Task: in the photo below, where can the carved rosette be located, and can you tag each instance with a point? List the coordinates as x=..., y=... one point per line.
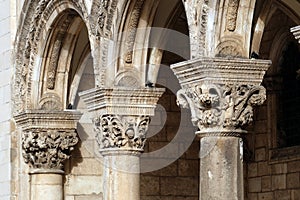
x=221, y=93
x=123, y=116
x=48, y=138
x=115, y=132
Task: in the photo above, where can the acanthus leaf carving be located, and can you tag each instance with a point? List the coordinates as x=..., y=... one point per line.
x=48, y=149
x=115, y=132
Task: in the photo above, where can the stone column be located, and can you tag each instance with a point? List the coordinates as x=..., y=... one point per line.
x=48, y=137
x=221, y=93
x=296, y=32
x=121, y=121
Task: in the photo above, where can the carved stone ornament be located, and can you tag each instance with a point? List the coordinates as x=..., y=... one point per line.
x=123, y=116
x=122, y=101
x=116, y=132
x=217, y=106
x=296, y=32
x=232, y=13
x=221, y=92
x=48, y=137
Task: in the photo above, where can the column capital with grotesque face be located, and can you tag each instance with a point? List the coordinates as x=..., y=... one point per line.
x=221, y=92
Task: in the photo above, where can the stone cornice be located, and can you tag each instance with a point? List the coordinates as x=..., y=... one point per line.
x=296, y=32
x=42, y=119
x=122, y=101
x=220, y=71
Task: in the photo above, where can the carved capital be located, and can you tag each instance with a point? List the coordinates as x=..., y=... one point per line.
x=296, y=32
x=221, y=93
x=48, y=149
x=123, y=116
x=48, y=137
x=217, y=107
x=117, y=132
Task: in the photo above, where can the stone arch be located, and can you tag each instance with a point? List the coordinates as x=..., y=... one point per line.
x=35, y=29
x=126, y=41
x=263, y=14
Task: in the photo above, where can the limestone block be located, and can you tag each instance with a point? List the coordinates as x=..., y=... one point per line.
x=293, y=180
x=89, y=197
x=266, y=183
x=254, y=184
x=5, y=110
x=5, y=25
x=188, y=167
x=263, y=169
x=252, y=169
x=150, y=185
x=150, y=198
x=260, y=154
x=293, y=166
x=5, y=80
x=69, y=198
x=4, y=7
x=5, y=41
x=7, y=90
x=282, y=195
x=4, y=142
x=278, y=182
x=185, y=186
x=83, y=185
x=86, y=166
x=265, y=196
x=295, y=194
x=261, y=140
x=4, y=159
x=170, y=170
x=280, y=168
x=252, y=196
x=193, y=150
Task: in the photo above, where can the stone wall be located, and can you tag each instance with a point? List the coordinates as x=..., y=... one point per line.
x=269, y=179
x=6, y=39
x=180, y=179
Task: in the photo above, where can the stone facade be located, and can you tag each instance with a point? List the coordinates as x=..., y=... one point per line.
x=171, y=100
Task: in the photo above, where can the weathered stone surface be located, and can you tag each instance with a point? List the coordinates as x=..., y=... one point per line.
x=279, y=182
x=293, y=180
x=265, y=196
x=48, y=137
x=83, y=185
x=266, y=183
x=254, y=184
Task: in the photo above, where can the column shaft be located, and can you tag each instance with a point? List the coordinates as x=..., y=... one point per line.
x=46, y=187
x=221, y=93
x=121, y=177
x=221, y=168
x=123, y=117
